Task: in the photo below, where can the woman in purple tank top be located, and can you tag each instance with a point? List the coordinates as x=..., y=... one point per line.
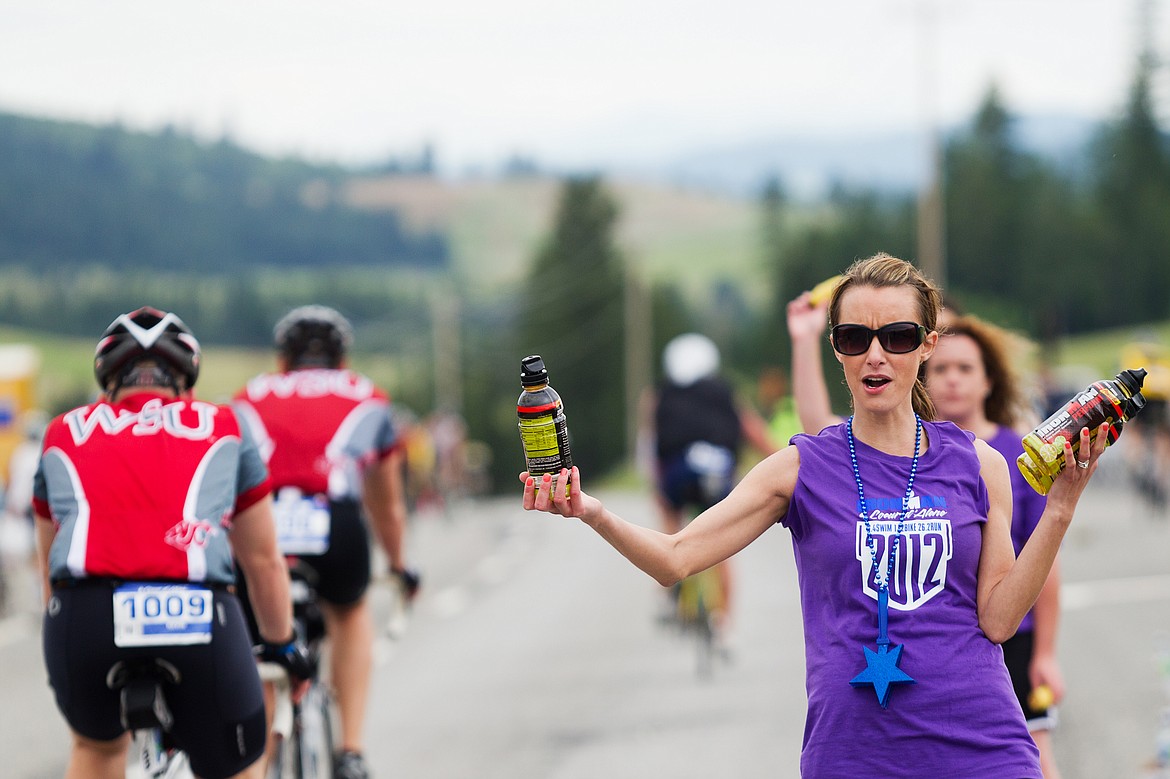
x=971, y=383
x=901, y=532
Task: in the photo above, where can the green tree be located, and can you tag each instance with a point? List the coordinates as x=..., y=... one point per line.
x=1132, y=196
x=773, y=212
x=852, y=225
x=573, y=316
x=1012, y=222
x=985, y=199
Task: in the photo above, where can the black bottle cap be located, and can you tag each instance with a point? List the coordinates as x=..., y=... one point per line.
x=1133, y=379
x=532, y=371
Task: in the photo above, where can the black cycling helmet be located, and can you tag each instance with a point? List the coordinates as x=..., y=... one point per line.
x=147, y=333
x=313, y=337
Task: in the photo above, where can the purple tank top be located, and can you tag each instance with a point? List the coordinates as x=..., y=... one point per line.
x=961, y=719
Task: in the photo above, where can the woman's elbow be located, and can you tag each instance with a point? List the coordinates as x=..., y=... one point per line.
x=668, y=576
x=998, y=631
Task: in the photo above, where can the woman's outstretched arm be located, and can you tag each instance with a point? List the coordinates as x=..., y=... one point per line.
x=757, y=502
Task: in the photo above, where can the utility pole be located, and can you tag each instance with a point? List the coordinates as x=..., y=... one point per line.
x=445, y=324
x=638, y=339
x=931, y=213
x=1151, y=60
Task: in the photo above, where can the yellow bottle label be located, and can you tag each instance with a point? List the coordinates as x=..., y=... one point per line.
x=539, y=437
x=546, y=446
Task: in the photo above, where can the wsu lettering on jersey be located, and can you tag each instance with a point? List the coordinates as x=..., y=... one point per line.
x=145, y=488
x=153, y=418
x=318, y=429
x=310, y=384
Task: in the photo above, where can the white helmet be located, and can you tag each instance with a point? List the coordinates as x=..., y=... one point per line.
x=690, y=357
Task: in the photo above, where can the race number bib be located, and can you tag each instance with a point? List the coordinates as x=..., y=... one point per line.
x=147, y=614
x=302, y=523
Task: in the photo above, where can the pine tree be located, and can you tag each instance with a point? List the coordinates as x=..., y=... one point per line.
x=573, y=317
x=1133, y=198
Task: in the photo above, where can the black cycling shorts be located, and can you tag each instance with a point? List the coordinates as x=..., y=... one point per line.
x=218, y=705
x=342, y=571
x=1017, y=656
x=698, y=478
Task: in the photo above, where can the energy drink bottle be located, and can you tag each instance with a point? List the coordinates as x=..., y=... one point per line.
x=1109, y=401
x=544, y=432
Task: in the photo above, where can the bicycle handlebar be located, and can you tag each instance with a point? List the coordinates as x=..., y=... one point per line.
x=282, y=716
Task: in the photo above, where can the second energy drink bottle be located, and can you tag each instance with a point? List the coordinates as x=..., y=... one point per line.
x=1109, y=401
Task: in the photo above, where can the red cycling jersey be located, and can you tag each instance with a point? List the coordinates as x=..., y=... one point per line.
x=145, y=489
x=318, y=428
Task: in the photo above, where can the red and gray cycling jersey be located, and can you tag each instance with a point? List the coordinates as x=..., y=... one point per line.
x=145, y=489
x=318, y=429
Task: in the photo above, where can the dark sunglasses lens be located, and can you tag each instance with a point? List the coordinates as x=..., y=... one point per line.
x=851, y=339
x=899, y=338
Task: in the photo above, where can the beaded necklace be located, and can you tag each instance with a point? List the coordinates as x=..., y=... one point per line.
x=881, y=667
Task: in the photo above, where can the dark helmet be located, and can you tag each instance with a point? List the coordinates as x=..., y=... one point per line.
x=147, y=333
x=313, y=336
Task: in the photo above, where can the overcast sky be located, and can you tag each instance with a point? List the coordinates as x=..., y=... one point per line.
x=564, y=82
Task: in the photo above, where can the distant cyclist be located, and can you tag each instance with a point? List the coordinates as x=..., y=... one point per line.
x=1147, y=447
x=138, y=498
x=698, y=428
x=335, y=456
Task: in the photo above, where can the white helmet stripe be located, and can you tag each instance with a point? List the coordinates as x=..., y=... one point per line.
x=144, y=336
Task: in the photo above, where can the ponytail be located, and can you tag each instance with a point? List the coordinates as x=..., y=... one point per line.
x=920, y=398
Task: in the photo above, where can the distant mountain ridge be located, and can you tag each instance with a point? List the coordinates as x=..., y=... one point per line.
x=810, y=164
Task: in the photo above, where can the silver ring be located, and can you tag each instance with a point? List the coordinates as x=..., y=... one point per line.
x=1082, y=463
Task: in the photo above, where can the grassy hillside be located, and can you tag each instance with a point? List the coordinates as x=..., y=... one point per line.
x=66, y=376
x=496, y=227
x=67, y=370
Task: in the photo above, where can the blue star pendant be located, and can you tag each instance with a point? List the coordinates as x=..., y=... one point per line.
x=881, y=667
x=882, y=671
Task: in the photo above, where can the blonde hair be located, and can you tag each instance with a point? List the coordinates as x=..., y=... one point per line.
x=884, y=270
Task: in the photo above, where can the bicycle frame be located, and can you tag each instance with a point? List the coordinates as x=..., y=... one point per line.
x=145, y=713
x=700, y=599
x=150, y=759
x=304, y=729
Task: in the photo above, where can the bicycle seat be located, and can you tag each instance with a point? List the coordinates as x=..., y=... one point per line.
x=143, y=702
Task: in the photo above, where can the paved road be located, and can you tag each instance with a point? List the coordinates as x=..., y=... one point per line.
x=534, y=654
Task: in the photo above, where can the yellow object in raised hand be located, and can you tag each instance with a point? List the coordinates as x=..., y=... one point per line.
x=1041, y=698
x=821, y=292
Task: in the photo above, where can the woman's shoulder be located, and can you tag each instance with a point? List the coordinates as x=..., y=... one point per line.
x=947, y=433
x=948, y=428
x=827, y=435
x=948, y=440
x=827, y=446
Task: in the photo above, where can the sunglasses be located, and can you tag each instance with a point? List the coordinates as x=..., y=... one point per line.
x=895, y=338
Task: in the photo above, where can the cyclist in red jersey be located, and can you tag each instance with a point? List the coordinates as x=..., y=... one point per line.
x=335, y=457
x=141, y=499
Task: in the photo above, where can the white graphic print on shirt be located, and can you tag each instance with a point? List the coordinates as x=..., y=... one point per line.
x=925, y=546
